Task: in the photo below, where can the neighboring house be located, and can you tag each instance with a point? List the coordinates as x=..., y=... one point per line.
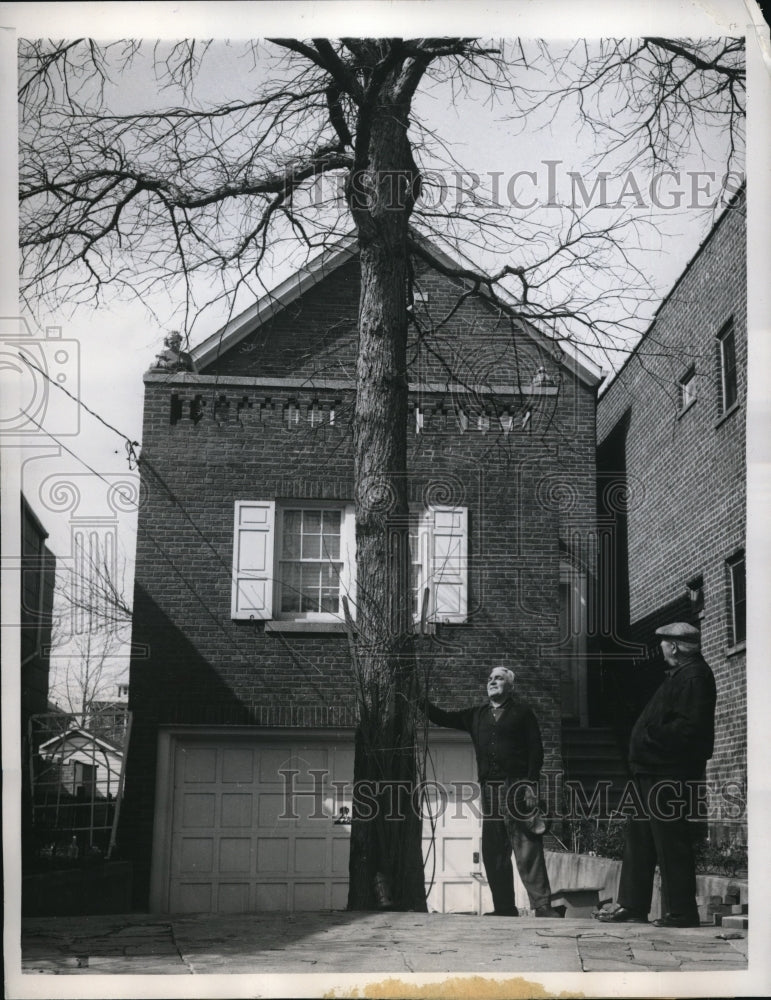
x=672, y=492
x=246, y=549
x=38, y=571
x=81, y=765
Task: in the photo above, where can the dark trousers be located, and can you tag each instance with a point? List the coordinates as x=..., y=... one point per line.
x=500, y=836
x=664, y=836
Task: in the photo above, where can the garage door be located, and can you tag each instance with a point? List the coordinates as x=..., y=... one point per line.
x=253, y=826
x=229, y=838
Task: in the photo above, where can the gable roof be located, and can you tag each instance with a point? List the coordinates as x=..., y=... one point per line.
x=334, y=257
x=50, y=745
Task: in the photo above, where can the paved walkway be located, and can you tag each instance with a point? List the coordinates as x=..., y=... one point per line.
x=339, y=942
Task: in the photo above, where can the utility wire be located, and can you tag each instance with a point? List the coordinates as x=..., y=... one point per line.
x=130, y=445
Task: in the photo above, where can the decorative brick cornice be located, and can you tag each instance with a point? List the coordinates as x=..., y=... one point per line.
x=191, y=380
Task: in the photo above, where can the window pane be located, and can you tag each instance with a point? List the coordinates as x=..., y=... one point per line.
x=290, y=587
x=739, y=600
x=311, y=546
x=312, y=522
x=727, y=361
x=290, y=548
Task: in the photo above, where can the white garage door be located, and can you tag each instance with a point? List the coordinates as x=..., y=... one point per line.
x=241, y=842
x=228, y=839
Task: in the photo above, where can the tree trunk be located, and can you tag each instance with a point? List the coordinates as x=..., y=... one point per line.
x=386, y=866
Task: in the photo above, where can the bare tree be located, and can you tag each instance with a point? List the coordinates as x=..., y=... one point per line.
x=118, y=201
x=91, y=635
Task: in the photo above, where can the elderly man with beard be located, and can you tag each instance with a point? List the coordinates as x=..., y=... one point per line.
x=670, y=745
x=509, y=753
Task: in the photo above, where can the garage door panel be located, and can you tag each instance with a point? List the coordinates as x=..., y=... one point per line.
x=272, y=854
x=233, y=897
x=272, y=763
x=235, y=854
x=339, y=899
x=198, y=809
x=196, y=854
x=236, y=809
x=238, y=765
x=310, y=896
x=198, y=764
x=192, y=898
x=270, y=808
x=271, y=896
x=312, y=760
x=310, y=855
x=341, y=852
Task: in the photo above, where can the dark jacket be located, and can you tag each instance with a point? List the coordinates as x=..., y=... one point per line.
x=675, y=732
x=509, y=748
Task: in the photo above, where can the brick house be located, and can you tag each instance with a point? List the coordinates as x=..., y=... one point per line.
x=672, y=497
x=245, y=549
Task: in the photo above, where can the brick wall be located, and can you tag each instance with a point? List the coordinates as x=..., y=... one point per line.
x=208, y=442
x=685, y=470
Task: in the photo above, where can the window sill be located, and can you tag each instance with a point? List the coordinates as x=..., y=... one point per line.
x=276, y=625
x=728, y=413
x=682, y=412
x=740, y=647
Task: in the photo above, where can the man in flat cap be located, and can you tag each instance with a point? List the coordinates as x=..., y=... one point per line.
x=668, y=751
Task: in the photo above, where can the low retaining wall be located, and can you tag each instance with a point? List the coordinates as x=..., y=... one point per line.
x=97, y=890
x=576, y=871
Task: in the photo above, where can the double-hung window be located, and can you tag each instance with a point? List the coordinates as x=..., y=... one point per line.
x=738, y=599
x=726, y=361
x=296, y=561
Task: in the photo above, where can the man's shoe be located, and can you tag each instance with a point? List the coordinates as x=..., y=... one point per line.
x=513, y=912
x=676, y=920
x=621, y=915
x=547, y=911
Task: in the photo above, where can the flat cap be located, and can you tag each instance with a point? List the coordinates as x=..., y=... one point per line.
x=680, y=630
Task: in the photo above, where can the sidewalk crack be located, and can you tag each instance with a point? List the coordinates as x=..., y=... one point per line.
x=182, y=958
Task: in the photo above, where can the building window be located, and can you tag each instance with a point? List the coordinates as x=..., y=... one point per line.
x=297, y=562
x=310, y=568
x=738, y=599
x=726, y=358
x=686, y=388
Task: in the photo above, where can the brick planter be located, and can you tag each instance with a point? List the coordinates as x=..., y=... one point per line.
x=576, y=871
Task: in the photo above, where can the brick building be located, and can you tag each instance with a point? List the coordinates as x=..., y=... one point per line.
x=38, y=573
x=672, y=497
x=245, y=549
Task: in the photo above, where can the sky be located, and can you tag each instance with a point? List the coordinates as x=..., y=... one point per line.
x=109, y=349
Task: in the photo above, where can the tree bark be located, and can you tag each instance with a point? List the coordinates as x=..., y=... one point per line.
x=386, y=866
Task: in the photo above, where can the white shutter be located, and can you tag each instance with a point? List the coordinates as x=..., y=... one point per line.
x=253, y=540
x=449, y=569
x=348, y=555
